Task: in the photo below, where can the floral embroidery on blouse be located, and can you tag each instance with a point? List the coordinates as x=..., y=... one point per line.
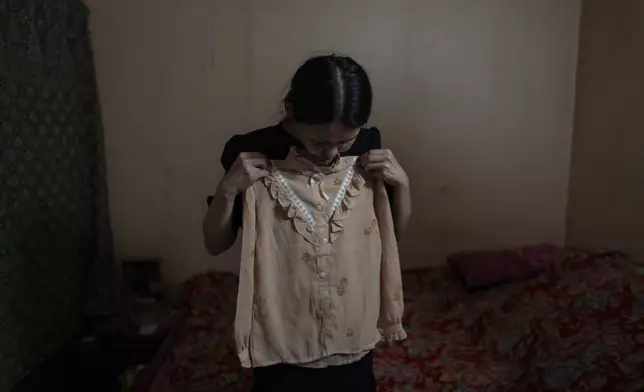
x=260, y=308
x=342, y=287
x=398, y=294
x=371, y=227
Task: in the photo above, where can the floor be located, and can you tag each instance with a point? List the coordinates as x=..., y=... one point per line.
x=77, y=367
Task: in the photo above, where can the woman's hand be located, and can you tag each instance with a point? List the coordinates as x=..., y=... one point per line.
x=248, y=168
x=383, y=164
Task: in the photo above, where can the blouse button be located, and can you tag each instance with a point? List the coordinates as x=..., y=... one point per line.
x=325, y=240
x=322, y=274
x=319, y=208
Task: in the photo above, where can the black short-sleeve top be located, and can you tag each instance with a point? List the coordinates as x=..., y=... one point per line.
x=275, y=143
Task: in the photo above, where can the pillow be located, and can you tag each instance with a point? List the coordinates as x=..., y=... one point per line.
x=479, y=270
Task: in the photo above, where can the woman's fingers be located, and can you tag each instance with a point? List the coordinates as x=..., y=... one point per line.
x=247, y=169
x=376, y=156
x=376, y=167
x=257, y=175
x=370, y=158
x=257, y=162
x=253, y=157
x=383, y=165
x=252, y=160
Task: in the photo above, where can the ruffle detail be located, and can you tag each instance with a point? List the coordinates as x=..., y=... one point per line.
x=278, y=194
x=300, y=224
x=298, y=215
x=348, y=202
x=393, y=333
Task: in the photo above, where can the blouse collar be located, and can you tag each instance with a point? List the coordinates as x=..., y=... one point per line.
x=297, y=161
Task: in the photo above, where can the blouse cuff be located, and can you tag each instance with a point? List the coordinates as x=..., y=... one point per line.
x=394, y=332
x=244, y=358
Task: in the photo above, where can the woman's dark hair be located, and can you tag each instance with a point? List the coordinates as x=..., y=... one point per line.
x=330, y=88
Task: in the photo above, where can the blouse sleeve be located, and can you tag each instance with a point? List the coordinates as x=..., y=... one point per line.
x=391, y=290
x=375, y=143
x=228, y=157
x=244, y=313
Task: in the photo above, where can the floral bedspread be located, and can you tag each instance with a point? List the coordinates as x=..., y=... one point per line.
x=579, y=326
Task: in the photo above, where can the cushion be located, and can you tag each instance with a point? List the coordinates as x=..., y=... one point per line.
x=479, y=270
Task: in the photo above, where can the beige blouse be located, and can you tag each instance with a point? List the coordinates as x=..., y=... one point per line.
x=320, y=276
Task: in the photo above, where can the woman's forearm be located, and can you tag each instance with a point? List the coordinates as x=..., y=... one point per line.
x=401, y=208
x=218, y=231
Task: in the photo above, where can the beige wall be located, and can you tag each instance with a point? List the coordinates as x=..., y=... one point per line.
x=475, y=98
x=606, y=208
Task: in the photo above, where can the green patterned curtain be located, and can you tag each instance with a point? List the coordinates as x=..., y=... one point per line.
x=55, y=243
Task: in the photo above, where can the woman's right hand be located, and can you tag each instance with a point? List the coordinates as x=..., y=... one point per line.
x=248, y=168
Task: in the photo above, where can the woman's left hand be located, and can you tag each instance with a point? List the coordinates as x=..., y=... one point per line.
x=383, y=164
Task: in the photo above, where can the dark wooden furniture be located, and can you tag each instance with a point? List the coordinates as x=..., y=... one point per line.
x=98, y=363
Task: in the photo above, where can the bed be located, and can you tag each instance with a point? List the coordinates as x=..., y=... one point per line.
x=578, y=326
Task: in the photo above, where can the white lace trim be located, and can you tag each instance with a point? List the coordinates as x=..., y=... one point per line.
x=295, y=199
x=343, y=187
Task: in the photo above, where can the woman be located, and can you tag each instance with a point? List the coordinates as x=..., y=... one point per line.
x=328, y=103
